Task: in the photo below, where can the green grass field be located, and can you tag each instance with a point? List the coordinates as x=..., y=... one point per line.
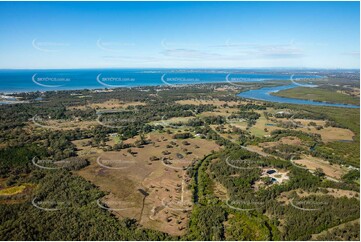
x=318, y=94
x=12, y=190
x=116, y=139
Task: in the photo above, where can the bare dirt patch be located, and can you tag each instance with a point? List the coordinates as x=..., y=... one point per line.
x=150, y=182
x=284, y=140
x=83, y=149
x=214, y=102
x=337, y=193
x=220, y=191
x=328, y=134
x=342, y=193
x=312, y=163
x=264, y=127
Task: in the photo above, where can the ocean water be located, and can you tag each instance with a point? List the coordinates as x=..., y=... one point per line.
x=49, y=80
x=15, y=81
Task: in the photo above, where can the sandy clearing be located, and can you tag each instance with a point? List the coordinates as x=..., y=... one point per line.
x=312, y=163
x=168, y=201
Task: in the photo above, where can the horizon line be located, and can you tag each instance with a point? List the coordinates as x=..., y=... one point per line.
x=190, y=68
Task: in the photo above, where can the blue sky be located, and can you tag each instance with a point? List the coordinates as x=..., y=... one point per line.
x=179, y=34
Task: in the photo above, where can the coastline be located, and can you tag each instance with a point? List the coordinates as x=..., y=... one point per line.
x=266, y=92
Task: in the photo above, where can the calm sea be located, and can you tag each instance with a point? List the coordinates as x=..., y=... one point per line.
x=49, y=80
